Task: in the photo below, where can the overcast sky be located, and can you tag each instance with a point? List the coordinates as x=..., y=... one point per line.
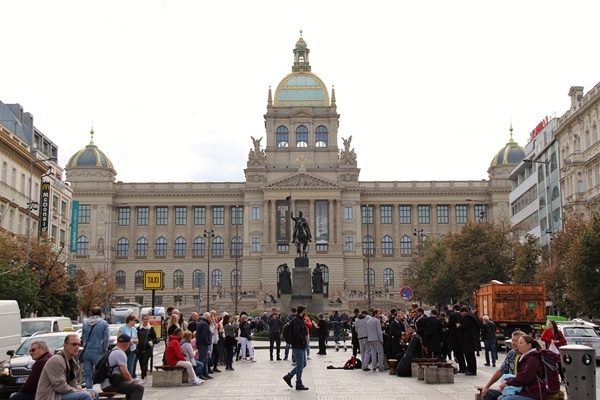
x=175, y=89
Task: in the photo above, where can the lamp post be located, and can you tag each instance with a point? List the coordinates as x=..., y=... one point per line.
x=237, y=271
x=482, y=214
x=178, y=302
x=32, y=205
x=208, y=235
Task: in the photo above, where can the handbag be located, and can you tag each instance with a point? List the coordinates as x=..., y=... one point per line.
x=553, y=348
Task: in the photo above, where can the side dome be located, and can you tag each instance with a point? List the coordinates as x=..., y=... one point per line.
x=512, y=153
x=89, y=157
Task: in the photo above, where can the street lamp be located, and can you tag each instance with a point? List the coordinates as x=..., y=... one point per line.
x=178, y=302
x=483, y=213
x=32, y=205
x=208, y=235
x=237, y=271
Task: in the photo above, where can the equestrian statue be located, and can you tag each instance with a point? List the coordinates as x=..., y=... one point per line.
x=301, y=235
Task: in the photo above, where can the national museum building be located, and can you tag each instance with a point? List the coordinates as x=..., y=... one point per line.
x=219, y=239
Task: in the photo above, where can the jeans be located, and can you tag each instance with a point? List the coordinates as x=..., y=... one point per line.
x=300, y=356
x=90, y=359
x=492, y=394
x=246, y=344
x=490, y=347
x=514, y=397
x=199, y=368
x=131, y=360
x=85, y=395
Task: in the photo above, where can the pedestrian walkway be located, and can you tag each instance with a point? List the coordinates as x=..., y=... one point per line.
x=263, y=380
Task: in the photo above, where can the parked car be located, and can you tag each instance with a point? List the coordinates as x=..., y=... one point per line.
x=580, y=332
x=16, y=370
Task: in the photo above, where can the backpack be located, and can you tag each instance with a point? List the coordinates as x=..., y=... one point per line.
x=102, y=370
x=288, y=333
x=551, y=379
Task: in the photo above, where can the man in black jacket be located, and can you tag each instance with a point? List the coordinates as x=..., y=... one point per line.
x=203, y=341
x=470, y=326
x=298, y=349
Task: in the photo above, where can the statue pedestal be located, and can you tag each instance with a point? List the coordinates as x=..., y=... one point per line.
x=302, y=289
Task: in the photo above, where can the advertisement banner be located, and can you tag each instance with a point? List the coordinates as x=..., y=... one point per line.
x=282, y=215
x=74, y=225
x=44, y=208
x=321, y=219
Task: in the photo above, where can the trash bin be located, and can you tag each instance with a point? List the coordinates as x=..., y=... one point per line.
x=579, y=366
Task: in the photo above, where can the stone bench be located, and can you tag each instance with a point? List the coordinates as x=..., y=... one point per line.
x=168, y=376
x=438, y=373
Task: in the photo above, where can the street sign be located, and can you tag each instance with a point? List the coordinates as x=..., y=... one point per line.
x=406, y=292
x=153, y=280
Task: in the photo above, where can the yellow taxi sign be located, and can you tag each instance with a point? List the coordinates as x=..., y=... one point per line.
x=153, y=280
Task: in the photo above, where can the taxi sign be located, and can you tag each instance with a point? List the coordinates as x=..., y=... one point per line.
x=153, y=280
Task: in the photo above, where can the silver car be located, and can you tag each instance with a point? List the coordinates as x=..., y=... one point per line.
x=579, y=332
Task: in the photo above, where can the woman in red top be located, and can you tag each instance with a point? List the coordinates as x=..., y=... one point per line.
x=554, y=335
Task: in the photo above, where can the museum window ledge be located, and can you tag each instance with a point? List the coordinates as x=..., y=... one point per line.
x=121, y=257
x=160, y=257
x=179, y=256
x=141, y=257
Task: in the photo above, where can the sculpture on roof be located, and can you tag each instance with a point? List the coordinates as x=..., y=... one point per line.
x=257, y=155
x=347, y=156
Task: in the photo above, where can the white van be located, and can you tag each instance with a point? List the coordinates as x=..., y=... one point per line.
x=10, y=326
x=30, y=326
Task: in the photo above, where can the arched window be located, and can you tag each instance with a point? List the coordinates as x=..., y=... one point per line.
x=216, y=278
x=282, y=137
x=141, y=247
x=122, y=247
x=236, y=278
x=387, y=246
x=406, y=245
x=180, y=245
x=161, y=247
x=178, y=279
x=83, y=246
x=198, y=279
x=139, y=279
x=236, y=247
x=321, y=136
x=388, y=277
x=199, y=246
x=120, y=279
x=369, y=277
x=218, y=246
x=368, y=246
x=301, y=136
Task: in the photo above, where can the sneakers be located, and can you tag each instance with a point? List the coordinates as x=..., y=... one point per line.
x=288, y=380
x=301, y=387
x=196, y=382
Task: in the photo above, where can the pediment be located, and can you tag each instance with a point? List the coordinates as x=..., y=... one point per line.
x=301, y=113
x=303, y=180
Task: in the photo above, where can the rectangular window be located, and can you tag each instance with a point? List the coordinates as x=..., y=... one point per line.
x=367, y=214
x=348, y=213
x=162, y=215
x=405, y=216
x=461, y=214
x=218, y=215
x=124, y=214
x=480, y=213
x=199, y=215
x=424, y=213
x=180, y=215
x=386, y=214
x=237, y=215
x=256, y=245
x=85, y=213
x=442, y=215
x=63, y=208
x=143, y=216
x=349, y=243
x=256, y=213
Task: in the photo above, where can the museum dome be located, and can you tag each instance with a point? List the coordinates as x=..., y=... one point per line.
x=89, y=157
x=301, y=87
x=512, y=153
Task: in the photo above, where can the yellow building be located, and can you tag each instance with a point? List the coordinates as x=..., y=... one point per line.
x=363, y=232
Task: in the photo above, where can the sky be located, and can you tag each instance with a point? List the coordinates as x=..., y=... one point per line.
x=175, y=89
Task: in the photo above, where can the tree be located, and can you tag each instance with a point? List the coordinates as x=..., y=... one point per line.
x=433, y=283
x=527, y=255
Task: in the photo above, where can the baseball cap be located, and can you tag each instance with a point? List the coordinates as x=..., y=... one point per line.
x=124, y=338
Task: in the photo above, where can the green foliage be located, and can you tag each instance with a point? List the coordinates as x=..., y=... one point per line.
x=528, y=253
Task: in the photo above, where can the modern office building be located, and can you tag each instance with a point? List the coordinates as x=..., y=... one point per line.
x=217, y=239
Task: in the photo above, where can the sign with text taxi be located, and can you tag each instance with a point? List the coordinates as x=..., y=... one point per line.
x=153, y=280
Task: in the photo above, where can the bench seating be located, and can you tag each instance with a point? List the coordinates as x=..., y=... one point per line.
x=169, y=376
x=111, y=395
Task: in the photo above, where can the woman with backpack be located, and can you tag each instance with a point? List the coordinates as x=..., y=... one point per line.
x=530, y=375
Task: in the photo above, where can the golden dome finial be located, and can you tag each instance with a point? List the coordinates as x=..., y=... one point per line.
x=92, y=135
x=300, y=33
x=511, y=132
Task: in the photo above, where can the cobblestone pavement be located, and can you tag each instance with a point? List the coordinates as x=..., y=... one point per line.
x=263, y=380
